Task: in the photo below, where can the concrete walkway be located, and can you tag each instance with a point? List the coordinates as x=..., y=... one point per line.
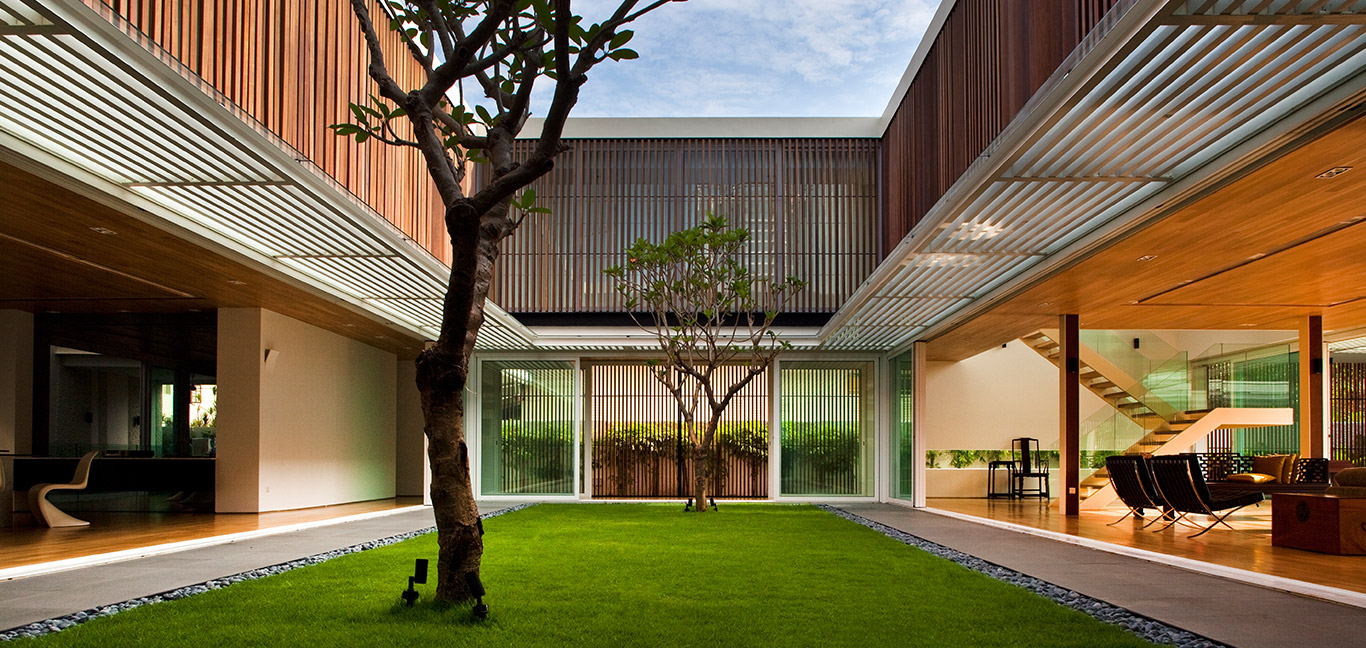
x=1234, y=613
x=36, y=598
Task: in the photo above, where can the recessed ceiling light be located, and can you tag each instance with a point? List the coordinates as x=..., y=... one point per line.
x=1045, y=303
x=349, y=325
x=1256, y=256
x=104, y=230
x=1334, y=172
x=1247, y=325
x=237, y=282
x=1134, y=301
x=1147, y=257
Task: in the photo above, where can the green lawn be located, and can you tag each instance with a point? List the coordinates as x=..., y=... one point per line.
x=628, y=575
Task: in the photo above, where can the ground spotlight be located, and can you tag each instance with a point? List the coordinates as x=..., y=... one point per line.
x=477, y=589
x=420, y=577
x=688, y=507
x=713, y=503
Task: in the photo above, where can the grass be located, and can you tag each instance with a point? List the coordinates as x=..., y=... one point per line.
x=627, y=575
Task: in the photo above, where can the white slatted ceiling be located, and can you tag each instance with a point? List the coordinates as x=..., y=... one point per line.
x=97, y=110
x=1182, y=96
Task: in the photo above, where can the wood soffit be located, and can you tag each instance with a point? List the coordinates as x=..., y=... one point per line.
x=57, y=260
x=1262, y=252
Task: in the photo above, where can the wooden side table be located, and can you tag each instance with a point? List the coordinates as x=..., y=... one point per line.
x=1009, y=467
x=1314, y=522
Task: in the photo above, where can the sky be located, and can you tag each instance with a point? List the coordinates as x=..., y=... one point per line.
x=756, y=58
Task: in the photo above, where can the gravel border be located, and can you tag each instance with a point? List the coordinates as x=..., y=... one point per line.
x=56, y=624
x=1145, y=627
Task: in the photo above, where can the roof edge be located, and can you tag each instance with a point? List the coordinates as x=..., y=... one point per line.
x=713, y=127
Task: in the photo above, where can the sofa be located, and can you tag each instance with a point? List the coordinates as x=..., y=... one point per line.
x=1349, y=482
x=1230, y=471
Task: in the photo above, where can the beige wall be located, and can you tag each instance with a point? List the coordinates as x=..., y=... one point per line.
x=985, y=401
x=312, y=425
x=413, y=472
x=16, y=381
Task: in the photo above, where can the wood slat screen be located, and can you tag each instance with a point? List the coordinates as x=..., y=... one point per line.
x=1347, y=412
x=989, y=58
x=638, y=453
x=809, y=204
x=294, y=65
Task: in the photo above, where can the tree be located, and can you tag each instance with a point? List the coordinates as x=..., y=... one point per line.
x=707, y=311
x=502, y=47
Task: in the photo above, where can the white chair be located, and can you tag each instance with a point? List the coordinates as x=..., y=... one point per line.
x=47, y=514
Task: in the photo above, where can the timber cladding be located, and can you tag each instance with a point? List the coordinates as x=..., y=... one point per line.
x=294, y=66
x=810, y=206
x=988, y=59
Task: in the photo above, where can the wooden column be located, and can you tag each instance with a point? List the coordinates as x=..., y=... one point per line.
x=1313, y=388
x=1069, y=417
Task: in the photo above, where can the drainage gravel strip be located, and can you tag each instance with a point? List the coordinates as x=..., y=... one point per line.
x=1145, y=627
x=63, y=622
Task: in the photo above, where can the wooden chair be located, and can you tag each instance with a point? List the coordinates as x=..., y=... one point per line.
x=1133, y=482
x=1182, y=486
x=47, y=514
x=1033, y=465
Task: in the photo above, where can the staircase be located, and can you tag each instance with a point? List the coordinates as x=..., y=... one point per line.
x=1159, y=430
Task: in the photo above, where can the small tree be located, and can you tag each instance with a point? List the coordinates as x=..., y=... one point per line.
x=707, y=311
x=500, y=47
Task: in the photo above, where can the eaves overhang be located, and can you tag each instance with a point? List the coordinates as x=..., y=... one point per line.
x=85, y=89
x=1159, y=96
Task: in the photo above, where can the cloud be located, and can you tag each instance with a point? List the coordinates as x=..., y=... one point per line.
x=757, y=58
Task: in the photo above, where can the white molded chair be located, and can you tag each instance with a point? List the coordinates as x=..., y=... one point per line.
x=44, y=512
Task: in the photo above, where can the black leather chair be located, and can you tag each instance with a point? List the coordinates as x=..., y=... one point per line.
x=1133, y=483
x=1181, y=484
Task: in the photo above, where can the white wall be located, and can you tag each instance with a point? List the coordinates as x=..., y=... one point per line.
x=983, y=402
x=413, y=472
x=16, y=381
x=314, y=425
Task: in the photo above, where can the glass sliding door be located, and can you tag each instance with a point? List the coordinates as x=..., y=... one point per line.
x=527, y=428
x=902, y=468
x=827, y=425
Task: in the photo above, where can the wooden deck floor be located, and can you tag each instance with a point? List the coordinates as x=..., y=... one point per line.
x=27, y=545
x=1249, y=548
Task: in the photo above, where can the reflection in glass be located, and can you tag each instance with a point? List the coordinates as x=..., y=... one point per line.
x=826, y=411
x=528, y=428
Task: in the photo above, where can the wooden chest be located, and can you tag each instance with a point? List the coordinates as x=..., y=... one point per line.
x=1324, y=523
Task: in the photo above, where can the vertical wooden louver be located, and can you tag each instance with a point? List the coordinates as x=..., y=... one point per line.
x=987, y=61
x=809, y=204
x=639, y=447
x=294, y=66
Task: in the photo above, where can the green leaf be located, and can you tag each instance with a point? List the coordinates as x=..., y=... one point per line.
x=484, y=115
x=623, y=54
x=620, y=39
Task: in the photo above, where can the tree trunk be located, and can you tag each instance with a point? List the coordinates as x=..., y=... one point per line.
x=457, y=516
x=442, y=373
x=701, y=462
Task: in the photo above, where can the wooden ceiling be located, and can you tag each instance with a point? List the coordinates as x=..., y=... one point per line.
x=1262, y=252
x=65, y=253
